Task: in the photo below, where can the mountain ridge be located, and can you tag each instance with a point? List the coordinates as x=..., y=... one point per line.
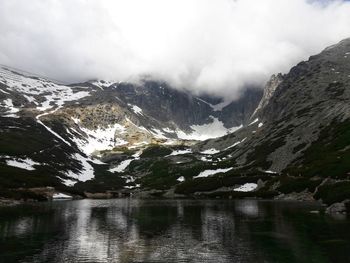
x=95, y=120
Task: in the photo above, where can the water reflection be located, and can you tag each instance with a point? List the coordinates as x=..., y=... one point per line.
x=128, y=230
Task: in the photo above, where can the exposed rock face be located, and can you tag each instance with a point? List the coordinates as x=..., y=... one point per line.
x=239, y=112
x=269, y=90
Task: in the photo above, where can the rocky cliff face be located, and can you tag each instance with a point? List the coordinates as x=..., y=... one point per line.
x=269, y=90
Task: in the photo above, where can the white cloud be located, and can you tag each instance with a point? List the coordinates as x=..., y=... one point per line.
x=205, y=45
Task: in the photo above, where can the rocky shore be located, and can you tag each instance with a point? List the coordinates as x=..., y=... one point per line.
x=50, y=193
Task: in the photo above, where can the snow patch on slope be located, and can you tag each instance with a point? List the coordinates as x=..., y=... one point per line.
x=99, y=139
x=54, y=94
x=203, y=132
x=168, y=130
x=68, y=182
x=236, y=143
x=136, y=109
x=207, y=173
x=87, y=172
x=158, y=134
x=254, y=121
x=60, y=96
x=11, y=109
x=101, y=83
x=205, y=159
x=270, y=172
x=27, y=164
x=216, y=107
x=180, y=152
x=48, y=128
x=210, y=151
x=59, y=196
x=121, y=167
x=9, y=104
x=180, y=179
x=248, y=187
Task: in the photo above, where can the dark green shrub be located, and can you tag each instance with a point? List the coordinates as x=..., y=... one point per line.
x=156, y=151
x=333, y=193
x=291, y=184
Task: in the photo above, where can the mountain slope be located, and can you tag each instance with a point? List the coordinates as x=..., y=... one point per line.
x=55, y=132
x=312, y=98
x=299, y=136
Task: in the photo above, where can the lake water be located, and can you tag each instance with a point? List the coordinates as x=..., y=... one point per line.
x=128, y=230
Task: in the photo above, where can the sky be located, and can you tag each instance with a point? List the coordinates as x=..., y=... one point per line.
x=207, y=46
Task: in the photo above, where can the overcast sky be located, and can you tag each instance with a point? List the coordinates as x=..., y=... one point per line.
x=217, y=46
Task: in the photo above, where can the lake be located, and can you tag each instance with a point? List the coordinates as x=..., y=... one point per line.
x=131, y=230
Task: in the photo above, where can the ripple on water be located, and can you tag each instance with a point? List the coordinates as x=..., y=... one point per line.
x=128, y=230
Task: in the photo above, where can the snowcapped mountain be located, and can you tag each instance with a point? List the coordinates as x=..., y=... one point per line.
x=85, y=122
x=153, y=107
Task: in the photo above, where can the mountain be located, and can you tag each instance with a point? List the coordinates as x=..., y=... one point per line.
x=71, y=136
x=310, y=106
x=299, y=134
x=292, y=141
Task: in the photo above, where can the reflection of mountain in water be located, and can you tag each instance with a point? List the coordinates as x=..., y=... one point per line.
x=171, y=231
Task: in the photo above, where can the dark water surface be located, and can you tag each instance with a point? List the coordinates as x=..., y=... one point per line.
x=127, y=230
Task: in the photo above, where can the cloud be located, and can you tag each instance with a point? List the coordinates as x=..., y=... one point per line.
x=210, y=46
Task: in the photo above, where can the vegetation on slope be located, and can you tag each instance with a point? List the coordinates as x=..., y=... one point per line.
x=329, y=156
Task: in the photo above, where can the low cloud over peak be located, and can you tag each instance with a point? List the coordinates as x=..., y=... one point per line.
x=207, y=46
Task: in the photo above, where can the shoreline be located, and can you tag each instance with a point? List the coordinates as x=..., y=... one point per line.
x=13, y=202
x=334, y=208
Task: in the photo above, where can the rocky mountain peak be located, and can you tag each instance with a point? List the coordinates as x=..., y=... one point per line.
x=269, y=90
